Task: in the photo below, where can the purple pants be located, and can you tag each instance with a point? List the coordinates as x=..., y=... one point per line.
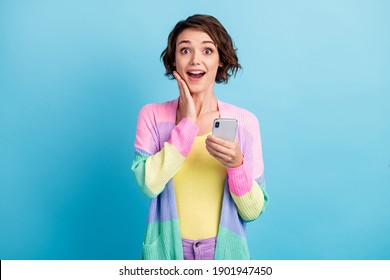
x=202, y=249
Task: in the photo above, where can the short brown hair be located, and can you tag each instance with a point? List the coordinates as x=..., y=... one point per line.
x=222, y=40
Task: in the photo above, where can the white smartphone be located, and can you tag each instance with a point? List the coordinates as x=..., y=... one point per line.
x=225, y=129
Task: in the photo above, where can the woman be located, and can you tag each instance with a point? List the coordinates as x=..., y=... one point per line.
x=203, y=189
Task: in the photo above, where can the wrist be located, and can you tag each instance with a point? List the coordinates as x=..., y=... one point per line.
x=240, y=162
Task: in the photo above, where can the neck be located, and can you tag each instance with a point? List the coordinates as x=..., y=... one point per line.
x=205, y=103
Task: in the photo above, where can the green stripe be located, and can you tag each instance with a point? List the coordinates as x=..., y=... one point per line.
x=138, y=168
x=231, y=246
x=163, y=241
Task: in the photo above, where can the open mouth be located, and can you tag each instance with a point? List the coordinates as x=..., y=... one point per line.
x=196, y=74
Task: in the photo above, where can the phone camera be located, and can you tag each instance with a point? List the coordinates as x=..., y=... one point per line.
x=217, y=124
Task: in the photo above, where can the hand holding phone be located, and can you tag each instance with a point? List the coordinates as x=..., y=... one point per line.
x=225, y=129
x=223, y=146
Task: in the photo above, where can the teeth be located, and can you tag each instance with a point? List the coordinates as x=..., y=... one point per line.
x=196, y=72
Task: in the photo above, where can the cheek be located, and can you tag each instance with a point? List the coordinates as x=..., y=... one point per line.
x=178, y=64
x=180, y=69
x=214, y=66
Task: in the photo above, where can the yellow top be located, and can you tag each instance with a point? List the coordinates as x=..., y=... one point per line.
x=199, y=191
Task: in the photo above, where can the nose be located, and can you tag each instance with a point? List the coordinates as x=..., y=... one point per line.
x=196, y=58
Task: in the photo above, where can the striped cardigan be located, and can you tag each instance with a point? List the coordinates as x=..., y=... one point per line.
x=161, y=147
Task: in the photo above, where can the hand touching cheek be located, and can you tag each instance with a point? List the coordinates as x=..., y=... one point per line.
x=186, y=102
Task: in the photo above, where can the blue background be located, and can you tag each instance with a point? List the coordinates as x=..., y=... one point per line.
x=74, y=74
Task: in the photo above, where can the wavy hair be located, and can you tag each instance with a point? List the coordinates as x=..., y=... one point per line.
x=216, y=31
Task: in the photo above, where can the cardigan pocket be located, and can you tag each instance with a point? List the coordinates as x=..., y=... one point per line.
x=155, y=250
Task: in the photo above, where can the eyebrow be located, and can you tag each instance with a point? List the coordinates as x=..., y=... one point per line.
x=189, y=42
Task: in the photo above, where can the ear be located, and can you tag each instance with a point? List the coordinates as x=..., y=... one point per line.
x=174, y=63
x=220, y=64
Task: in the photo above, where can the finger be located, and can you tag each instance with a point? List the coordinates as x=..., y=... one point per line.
x=221, y=152
x=226, y=160
x=220, y=142
x=186, y=91
x=177, y=75
x=183, y=83
x=218, y=148
x=178, y=80
x=215, y=153
x=223, y=159
x=185, y=88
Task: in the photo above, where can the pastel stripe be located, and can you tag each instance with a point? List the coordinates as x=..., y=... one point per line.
x=231, y=246
x=260, y=179
x=153, y=172
x=183, y=136
x=250, y=205
x=229, y=214
x=240, y=179
x=163, y=241
x=161, y=167
x=163, y=207
x=265, y=194
x=138, y=168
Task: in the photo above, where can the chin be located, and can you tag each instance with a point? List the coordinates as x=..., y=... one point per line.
x=195, y=89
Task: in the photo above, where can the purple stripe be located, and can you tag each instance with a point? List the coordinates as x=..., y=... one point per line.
x=159, y=133
x=230, y=218
x=245, y=138
x=163, y=207
x=260, y=180
x=164, y=130
x=141, y=151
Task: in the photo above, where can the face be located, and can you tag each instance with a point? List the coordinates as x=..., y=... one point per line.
x=197, y=60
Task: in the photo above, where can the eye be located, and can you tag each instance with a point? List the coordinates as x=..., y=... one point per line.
x=208, y=51
x=185, y=51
